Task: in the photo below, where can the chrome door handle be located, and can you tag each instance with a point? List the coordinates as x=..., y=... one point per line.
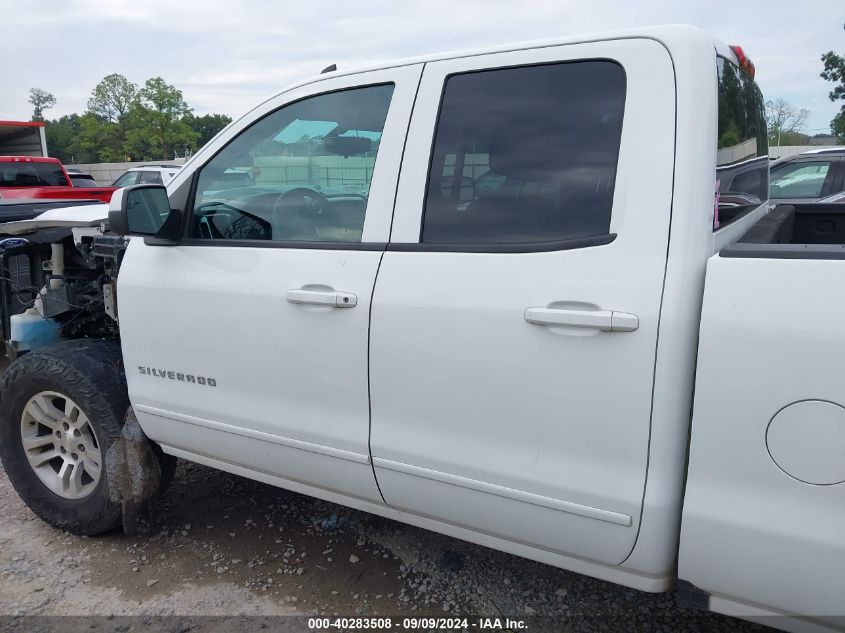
x=604, y=320
x=325, y=298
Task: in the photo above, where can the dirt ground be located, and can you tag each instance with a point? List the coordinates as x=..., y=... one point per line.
x=224, y=545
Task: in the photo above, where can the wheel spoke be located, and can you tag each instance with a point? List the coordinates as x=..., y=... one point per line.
x=36, y=441
x=82, y=423
x=65, y=475
x=87, y=441
x=39, y=459
x=48, y=407
x=75, y=482
x=71, y=410
x=34, y=410
x=92, y=466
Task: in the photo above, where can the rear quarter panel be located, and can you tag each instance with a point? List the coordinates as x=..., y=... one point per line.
x=771, y=341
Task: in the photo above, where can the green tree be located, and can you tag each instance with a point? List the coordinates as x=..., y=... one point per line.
x=101, y=138
x=155, y=122
x=207, y=125
x=106, y=124
x=112, y=98
x=64, y=137
x=834, y=71
x=41, y=100
x=730, y=117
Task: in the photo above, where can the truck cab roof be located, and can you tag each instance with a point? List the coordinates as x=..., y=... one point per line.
x=673, y=37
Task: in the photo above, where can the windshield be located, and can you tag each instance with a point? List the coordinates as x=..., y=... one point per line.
x=24, y=174
x=742, y=162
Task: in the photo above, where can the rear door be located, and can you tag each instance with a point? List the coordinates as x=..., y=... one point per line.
x=514, y=320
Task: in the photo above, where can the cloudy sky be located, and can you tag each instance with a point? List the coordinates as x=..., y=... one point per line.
x=227, y=55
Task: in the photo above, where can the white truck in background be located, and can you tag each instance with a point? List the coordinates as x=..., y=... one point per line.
x=485, y=314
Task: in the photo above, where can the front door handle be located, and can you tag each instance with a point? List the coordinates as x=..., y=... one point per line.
x=324, y=298
x=604, y=320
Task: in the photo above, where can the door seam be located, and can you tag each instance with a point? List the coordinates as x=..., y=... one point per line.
x=375, y=282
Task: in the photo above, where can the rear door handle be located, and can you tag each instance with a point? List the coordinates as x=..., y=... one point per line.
x=325, y=298
x=604, y=320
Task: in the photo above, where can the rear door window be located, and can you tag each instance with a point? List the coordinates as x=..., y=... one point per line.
x=525, y=154
x=127, y=179
x=800, y=180
x=150, y=178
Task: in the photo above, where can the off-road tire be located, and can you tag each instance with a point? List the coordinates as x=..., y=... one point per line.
x=89, y=372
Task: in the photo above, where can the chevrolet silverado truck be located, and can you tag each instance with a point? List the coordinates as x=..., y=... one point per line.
x=533, y=297
x=34, y=177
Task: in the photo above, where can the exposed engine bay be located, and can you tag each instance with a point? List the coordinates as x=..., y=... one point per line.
x=58, y=276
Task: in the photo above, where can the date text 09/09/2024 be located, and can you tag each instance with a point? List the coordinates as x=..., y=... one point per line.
x=406, y=623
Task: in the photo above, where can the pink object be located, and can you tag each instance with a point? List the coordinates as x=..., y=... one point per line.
x=716, y=206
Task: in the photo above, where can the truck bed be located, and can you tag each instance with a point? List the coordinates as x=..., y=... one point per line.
x=795, y=231
x=765, y=495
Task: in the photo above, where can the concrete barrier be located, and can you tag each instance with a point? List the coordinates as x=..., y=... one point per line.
x=780, y=151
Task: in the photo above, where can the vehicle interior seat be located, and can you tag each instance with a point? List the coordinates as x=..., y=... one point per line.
x=558, y=192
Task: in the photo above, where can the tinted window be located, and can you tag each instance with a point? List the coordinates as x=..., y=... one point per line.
x=127, y=179
x=799, y=180
x=24, y=174
x=742, y=164
x=300, y=174
x=526, y=154
x=150, y=178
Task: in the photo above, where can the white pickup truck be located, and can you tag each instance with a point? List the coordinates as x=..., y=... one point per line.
x=475, y=292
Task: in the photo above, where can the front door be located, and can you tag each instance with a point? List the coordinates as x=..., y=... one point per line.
x=515, y=315
x=247, y=343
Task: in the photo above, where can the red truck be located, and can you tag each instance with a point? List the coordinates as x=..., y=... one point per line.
x=42, y=177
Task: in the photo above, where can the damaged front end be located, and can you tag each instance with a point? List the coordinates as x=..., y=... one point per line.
x=57, y=278
x=58, y=274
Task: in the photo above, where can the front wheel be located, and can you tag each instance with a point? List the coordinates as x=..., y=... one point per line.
x=61, y=408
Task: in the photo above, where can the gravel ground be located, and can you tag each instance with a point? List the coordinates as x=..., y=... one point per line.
x=224, y=545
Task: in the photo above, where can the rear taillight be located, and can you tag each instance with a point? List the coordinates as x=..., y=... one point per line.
x=744, y=63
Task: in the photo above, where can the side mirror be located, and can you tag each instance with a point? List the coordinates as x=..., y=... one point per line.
x=143, y=210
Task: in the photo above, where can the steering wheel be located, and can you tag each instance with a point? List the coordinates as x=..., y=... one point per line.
x=300, y=213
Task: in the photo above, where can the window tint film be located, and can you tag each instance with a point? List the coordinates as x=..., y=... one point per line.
x=742, y=162
x=24, y=174
x=127, y=179
x=799, y=180
x=150, y=178
x=302, y=173
x=526, y=154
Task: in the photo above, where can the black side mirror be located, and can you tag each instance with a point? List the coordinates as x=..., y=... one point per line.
x=143, y=210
